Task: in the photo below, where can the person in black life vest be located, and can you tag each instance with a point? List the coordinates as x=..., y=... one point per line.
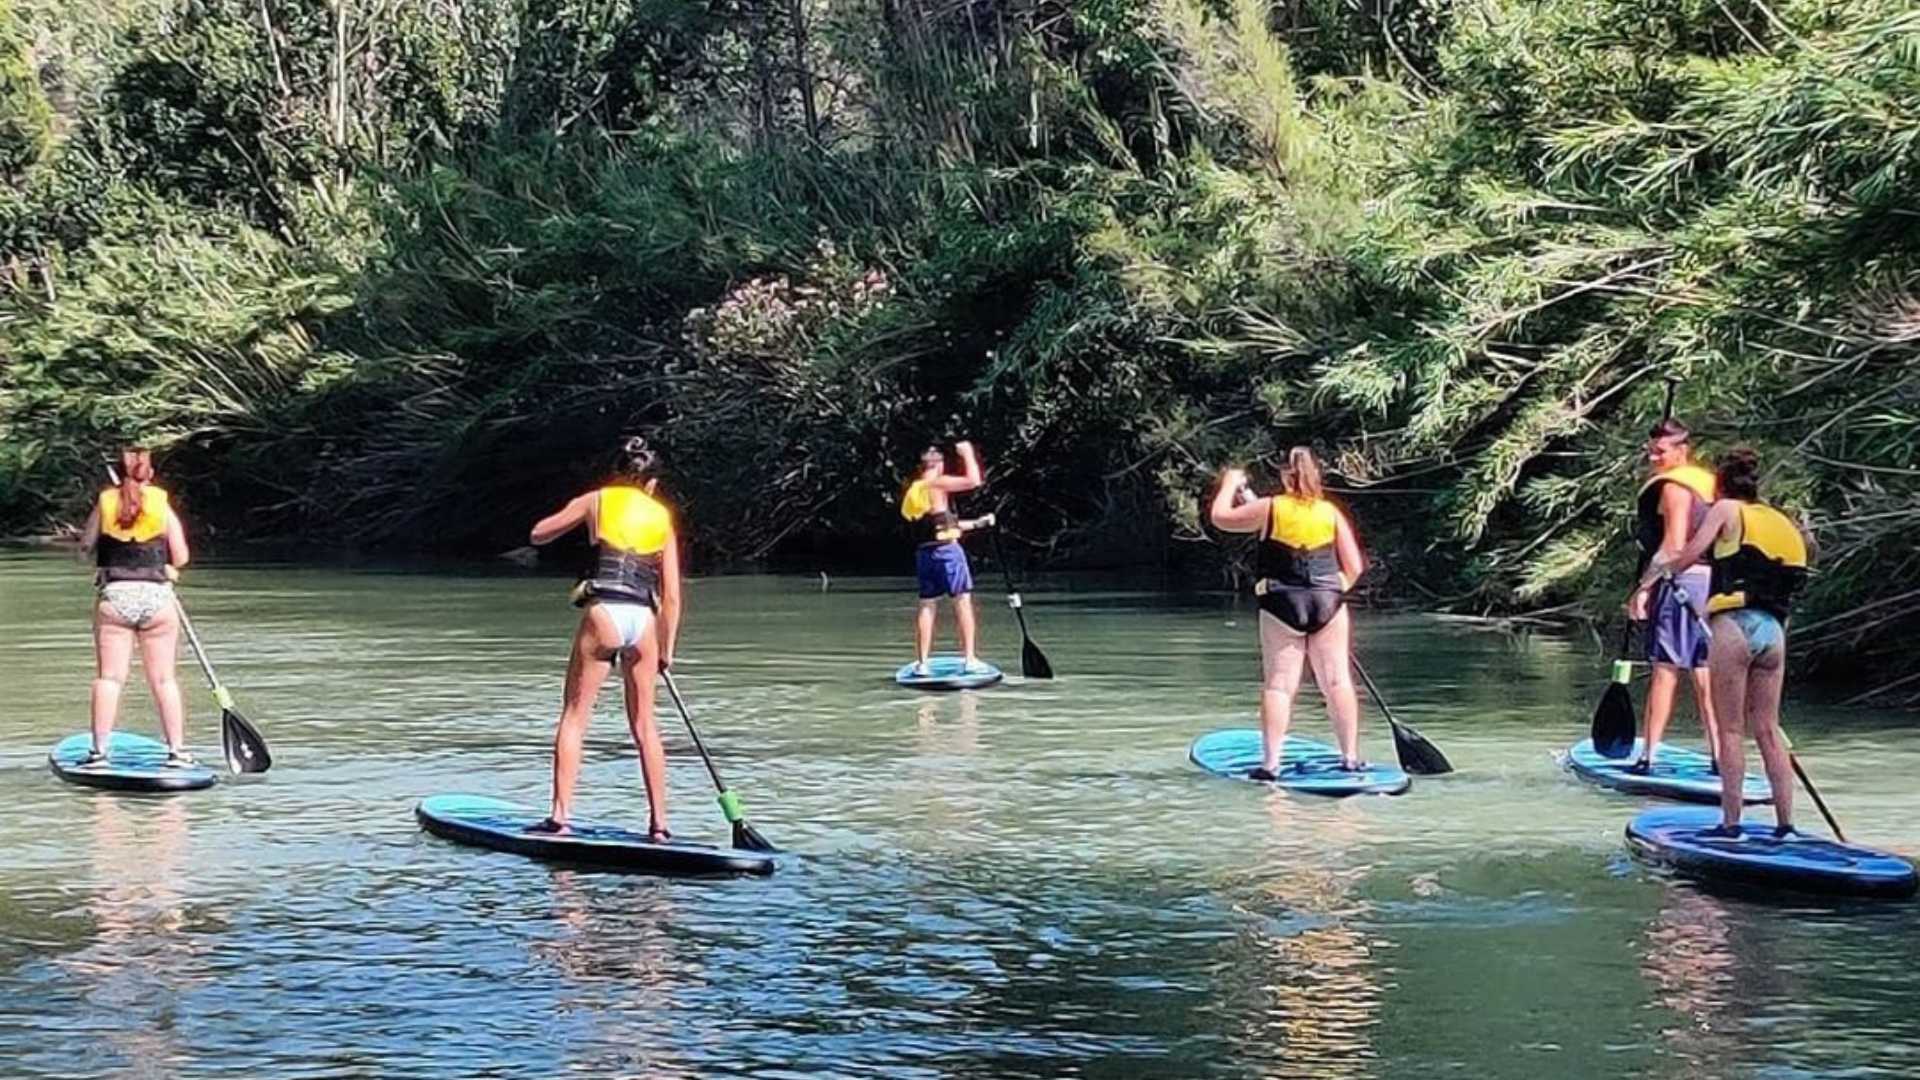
x=1672, y=505
x=1308, y=558
x=139, y=547
x=1758, y=560
x=630, y=611
x=940, y=562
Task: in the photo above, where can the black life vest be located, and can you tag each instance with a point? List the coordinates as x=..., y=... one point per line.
x=1297, y=546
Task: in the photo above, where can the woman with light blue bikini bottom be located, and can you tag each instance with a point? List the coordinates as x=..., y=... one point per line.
x=1759, y=560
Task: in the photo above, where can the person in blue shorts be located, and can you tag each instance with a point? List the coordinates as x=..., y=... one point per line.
x=1671, y=507
x=940, y=562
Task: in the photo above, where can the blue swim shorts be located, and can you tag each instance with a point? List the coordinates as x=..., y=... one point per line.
x=943, y=570
x=1674, y=634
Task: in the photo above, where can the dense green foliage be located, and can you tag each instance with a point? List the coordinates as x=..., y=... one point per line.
x=396, y=271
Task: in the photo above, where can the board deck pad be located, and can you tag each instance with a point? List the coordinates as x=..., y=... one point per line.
x=134, y=763
x=1669, y=837
x=946, y=671
x=1306, y=765
x=499, y=825
x=1678, y=773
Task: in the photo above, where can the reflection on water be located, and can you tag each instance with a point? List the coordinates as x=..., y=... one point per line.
x=1024, y=882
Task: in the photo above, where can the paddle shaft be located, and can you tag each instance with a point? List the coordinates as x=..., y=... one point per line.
x=1013, y=594
x=200, y=652
x=680, y=704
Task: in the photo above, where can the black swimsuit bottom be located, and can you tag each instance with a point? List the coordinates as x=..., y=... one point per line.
x=1304, y=610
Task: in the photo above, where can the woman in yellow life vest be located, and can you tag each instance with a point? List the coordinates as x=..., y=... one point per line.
x=940, y=563
x=1759, y=561
x=1308, y=558
x=631, y=603
x=139, y=546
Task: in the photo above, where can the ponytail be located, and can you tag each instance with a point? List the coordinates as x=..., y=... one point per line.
x=1301, y=477
x=136, y=472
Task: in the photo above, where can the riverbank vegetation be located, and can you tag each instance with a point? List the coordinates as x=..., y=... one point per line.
x=395, y=272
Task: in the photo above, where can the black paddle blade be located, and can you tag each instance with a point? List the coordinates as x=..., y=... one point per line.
x=1614, y=722
x=747, y=838
x=1417, y=754
x=1033, y=662
x=245, y=748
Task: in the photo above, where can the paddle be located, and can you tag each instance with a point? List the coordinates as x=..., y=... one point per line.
x=1417, y=753
x=242, y=744
x=1614, y=722
x=1793, y=759
x=744, y=835
x=1033, y=662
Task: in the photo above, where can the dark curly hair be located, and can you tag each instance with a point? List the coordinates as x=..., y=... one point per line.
x=1739, y=474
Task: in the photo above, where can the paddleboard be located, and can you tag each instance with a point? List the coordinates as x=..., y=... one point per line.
x=502, y=826
x=1670, y=837
x=1305, y=765
x=1678, y=773
x=134, y=763
x=947, y=672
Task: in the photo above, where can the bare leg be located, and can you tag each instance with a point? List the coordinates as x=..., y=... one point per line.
x=1727, y=661
x=1329, y=649
x=642, y=666
x=963, y=613
x=159, y=648
x=1703, y=701
x=1766, y=676
x=923, y=630
x=1282, y=654
x=593, y=649
x=1660, y=694
x=113, y=652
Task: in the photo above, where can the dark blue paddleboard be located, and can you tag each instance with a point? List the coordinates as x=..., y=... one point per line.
x=947, y=672
x=1670, y=837
x=134, y=763
x=1305, y=765
x=1678, y=773
x=502, y=826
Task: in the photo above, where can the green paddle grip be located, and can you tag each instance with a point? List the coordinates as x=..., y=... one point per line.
x=730, y=806
x=1623, y=671
x=221, y=696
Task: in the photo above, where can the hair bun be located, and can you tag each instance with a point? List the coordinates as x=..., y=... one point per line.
x=638, y=456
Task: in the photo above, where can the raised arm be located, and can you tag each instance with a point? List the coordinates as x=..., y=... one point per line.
x=563, y=521
x=1346, y=548
x=90, y=532
x=969, y=476
x=1249, y=516
x=669, y=599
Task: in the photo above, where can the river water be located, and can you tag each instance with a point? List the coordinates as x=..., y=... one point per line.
x=1026, y=882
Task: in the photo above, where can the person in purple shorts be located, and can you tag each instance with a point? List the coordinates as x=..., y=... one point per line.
x=1672, y=504
x=940, y=562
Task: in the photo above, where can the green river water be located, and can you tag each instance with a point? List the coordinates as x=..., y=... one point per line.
x=1026, y=882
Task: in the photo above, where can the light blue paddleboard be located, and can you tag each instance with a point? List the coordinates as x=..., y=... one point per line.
x=134, y=763
x=1305, y=765
x=1678, y=773
x=946, y=671
x=1671, y=837
x=502, y=826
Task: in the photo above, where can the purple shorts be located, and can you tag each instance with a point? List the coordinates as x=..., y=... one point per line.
x=1674, y=635
x=943, y=570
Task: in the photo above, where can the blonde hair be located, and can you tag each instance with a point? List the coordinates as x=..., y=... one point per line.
x=1301, y=477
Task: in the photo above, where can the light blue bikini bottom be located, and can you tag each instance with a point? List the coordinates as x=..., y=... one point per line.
x=1760, y=628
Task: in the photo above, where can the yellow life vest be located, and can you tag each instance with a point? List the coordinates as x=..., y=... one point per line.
x=136, y=552
x=1650, y=529
x=916, y=505
x=634, y=529
x=1297, y=548
x=1763, y=568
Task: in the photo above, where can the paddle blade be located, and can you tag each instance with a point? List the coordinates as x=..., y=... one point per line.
x=747, y=838
x=1614, y=722
x=245, y=748
x=1033, y=662
x=1417, y=754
